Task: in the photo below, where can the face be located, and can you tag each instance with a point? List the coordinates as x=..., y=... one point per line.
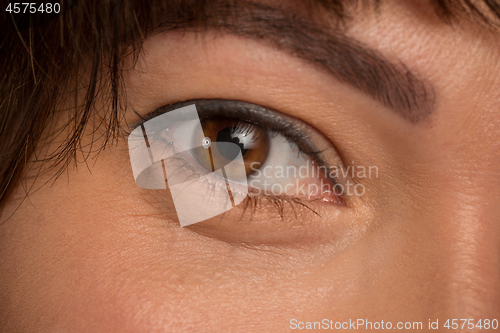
x=417, y=242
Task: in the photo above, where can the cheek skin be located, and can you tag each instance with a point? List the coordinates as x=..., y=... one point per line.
x=98, y=254
x=108, y=269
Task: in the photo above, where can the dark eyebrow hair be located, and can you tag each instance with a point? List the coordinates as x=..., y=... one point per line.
x=365, y=69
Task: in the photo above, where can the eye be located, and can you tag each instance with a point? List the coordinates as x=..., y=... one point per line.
x=257, y=151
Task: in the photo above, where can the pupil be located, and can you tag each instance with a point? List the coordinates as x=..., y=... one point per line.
x=230, y=137
x=230, y=151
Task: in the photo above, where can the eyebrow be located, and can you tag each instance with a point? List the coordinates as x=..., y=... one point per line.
x=348, y=60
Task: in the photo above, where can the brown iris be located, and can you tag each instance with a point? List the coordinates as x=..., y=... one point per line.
x=252, y=140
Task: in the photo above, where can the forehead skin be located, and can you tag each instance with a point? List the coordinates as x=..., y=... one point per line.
x=93, y=252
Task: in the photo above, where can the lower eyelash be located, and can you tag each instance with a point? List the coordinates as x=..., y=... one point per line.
x=279, y=202
x=252, y=201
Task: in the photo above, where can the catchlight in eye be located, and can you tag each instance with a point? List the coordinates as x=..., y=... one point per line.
x=251, y=140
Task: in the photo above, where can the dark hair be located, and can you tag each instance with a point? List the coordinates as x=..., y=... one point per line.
x=41, y=67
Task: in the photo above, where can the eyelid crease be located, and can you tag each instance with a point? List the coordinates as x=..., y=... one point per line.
x=278, y=123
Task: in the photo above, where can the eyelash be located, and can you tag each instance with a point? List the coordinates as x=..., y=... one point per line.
x=257, y=116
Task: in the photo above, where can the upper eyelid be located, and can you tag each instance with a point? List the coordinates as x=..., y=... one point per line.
x=157, y=112
x=246, y=111
x=293, y=129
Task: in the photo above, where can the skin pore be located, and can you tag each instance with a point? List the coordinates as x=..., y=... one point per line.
x=92, y=251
